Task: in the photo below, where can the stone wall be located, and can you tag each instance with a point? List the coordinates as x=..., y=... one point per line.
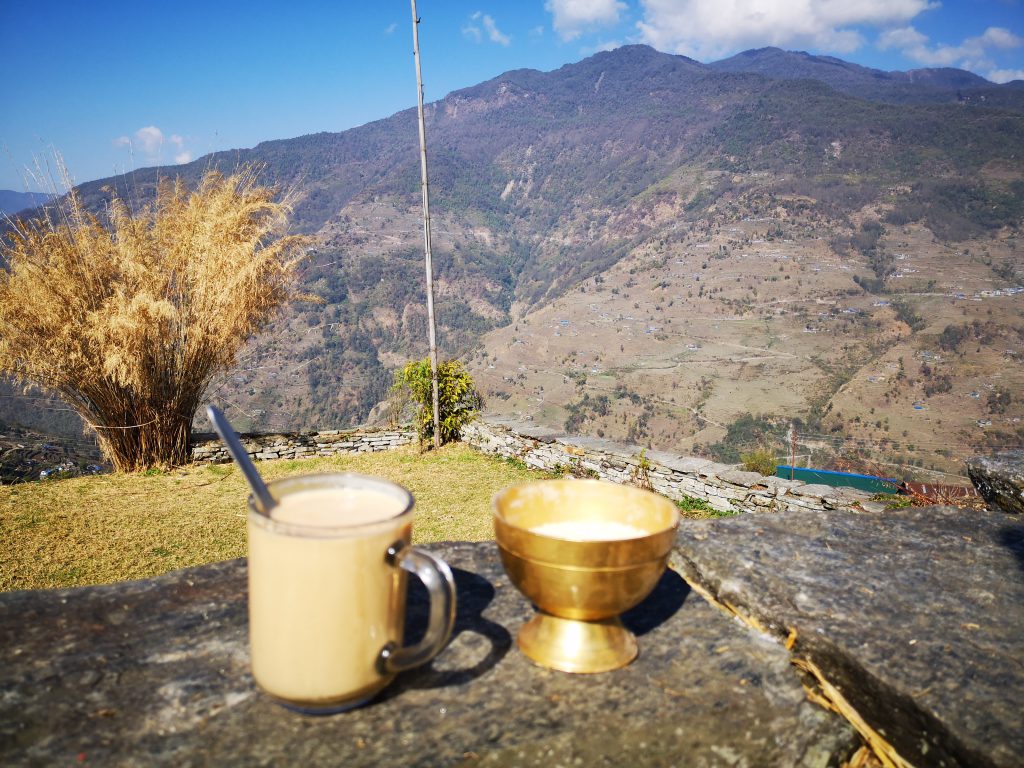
x=208, y=449
x=723, y=486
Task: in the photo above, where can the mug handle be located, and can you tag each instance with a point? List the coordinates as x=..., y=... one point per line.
x=437, y=578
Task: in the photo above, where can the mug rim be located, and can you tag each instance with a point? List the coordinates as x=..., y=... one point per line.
x=319, y=480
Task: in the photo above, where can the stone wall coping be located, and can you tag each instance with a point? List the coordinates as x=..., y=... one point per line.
x=740, y=477
x=781, y=483
x=686, y=464
x=815, y=490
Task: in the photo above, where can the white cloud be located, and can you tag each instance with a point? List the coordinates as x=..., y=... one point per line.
x=711, y=29
x=149, y=141
x=390, y=28
x=573, y=17
x=494, y=34
x=1002, y=38
x=902, y=37
x=1005, y=75
x=974, y=53
x=182, y=155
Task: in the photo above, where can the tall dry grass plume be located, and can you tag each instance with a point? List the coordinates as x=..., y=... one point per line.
x=128, y=317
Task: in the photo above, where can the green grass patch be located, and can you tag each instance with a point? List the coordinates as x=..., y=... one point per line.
x=699, y=509
x=95, y=530
x=893, y=500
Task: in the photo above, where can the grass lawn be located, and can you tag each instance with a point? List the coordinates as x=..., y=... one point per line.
x=96, y=530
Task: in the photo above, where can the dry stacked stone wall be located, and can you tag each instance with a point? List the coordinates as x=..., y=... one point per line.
x=723, y=486
x=208, y=449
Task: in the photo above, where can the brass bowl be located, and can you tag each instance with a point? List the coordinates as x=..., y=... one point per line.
x=581, y=587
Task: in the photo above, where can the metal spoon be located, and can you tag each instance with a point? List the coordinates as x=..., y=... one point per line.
x=241, y=457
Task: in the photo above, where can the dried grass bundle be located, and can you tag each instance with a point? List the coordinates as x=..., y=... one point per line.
x=129, y=321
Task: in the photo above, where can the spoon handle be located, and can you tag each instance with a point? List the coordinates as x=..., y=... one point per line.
x=241, y=457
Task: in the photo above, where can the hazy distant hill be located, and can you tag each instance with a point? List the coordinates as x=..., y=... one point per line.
x=546, y=185
x=919, y=86
x=12, y=202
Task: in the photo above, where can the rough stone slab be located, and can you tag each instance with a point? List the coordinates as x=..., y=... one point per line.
x=846, y=497
x=916, y=615
x=1000, y=480
x=535, y=431
x=156, y=672
x=873, y=506
x=715, y=470
x=815, y=490
x=742, y=478
x=689, y=465
x=780, y=484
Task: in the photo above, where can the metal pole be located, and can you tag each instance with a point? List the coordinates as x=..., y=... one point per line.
x=792, y=450
x=426, y=226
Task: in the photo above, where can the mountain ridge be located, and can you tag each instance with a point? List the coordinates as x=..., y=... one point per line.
x=545, y=185
x=926, y=85
x=12, y=201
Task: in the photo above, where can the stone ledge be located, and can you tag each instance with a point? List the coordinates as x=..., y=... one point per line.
x=915, y=615
x=156, y=672
x=1000, y=480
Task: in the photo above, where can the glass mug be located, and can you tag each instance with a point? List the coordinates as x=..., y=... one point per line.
x=327, y=587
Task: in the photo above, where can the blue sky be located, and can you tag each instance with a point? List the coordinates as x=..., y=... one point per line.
x=114, y=85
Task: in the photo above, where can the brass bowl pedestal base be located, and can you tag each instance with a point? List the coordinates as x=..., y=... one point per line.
x=572, y=645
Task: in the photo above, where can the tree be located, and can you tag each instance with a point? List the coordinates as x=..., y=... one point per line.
x=128, y=319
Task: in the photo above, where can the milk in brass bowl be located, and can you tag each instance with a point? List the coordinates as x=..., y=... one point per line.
x=583, y=551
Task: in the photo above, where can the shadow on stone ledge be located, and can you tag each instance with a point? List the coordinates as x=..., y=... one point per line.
x=1012, y=537
x=660, y=606
x=477, y=644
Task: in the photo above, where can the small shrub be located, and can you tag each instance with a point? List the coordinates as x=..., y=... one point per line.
x=458, y=399
x=641, y=475
x=761, y=461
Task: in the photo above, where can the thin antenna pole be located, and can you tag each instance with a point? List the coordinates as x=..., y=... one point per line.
x=792, y=450
x=426, y=225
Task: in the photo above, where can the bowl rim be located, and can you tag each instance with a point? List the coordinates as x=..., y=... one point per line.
x=498, y=515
